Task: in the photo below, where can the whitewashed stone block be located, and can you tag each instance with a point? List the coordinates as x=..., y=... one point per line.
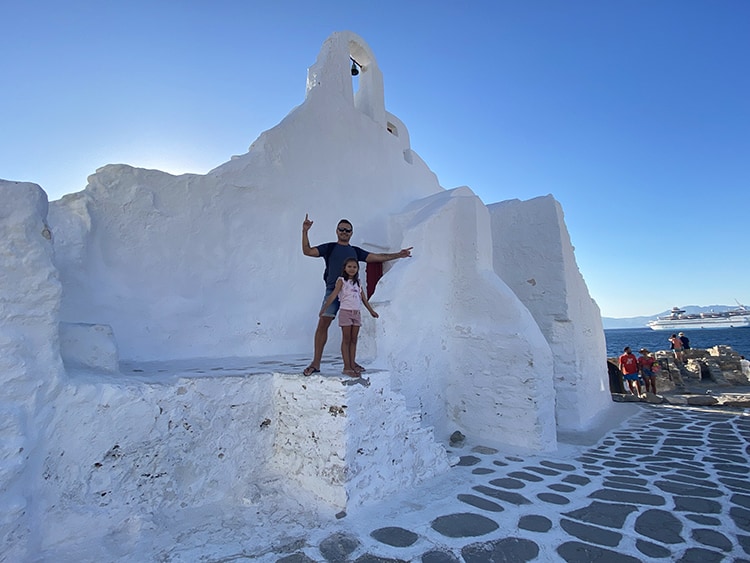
x=91, y=346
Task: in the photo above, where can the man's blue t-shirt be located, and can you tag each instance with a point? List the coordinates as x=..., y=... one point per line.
x=335, y=255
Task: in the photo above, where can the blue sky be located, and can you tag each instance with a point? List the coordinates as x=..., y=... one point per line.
x=634, y=114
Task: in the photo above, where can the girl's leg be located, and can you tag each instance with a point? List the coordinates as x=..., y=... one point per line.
x=353, y=347
x=346, y=338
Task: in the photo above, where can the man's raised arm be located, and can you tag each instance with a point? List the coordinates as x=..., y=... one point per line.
x=307, y=250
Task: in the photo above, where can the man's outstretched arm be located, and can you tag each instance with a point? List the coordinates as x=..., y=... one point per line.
x=308, y=250
x=388, y=256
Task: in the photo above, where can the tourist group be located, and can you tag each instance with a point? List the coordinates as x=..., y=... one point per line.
x=641, y=372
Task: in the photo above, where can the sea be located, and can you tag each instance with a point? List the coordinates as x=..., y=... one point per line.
x=653, y=340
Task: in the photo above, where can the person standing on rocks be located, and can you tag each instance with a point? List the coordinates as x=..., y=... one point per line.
x=335, y=254
x=745, y=366
x=629, y=368
x=677, y=347
x=646, y=367
x=685, y=341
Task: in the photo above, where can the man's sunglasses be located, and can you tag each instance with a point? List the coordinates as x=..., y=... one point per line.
x=344, y=230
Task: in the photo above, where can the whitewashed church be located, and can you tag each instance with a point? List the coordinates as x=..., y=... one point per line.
x=154, y=328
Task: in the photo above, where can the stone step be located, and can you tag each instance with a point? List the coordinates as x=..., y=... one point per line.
x=350, y=444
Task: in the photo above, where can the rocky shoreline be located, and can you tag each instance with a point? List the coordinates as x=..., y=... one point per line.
x=709, y=377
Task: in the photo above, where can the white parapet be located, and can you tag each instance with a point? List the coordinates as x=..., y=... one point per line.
x=167, y=439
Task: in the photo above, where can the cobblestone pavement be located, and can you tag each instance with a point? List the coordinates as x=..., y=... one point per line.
x=669, y=484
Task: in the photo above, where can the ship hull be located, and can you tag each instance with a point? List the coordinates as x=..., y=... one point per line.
x=742, y=321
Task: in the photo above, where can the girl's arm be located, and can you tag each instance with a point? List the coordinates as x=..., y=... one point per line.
x=366, y=303
x=334, y=294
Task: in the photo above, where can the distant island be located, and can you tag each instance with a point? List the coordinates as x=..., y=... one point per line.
x=640, y=322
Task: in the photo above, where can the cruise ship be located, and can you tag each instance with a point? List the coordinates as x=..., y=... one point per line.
x=679, y=320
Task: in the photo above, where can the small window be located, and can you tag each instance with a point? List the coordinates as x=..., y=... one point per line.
x=392, y=129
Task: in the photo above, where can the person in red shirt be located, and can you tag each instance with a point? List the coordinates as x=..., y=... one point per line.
x=629, y=369
x=646, y=367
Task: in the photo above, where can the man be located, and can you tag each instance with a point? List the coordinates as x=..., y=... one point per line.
x=685, y=341
x=335, y=253
x=629, y=369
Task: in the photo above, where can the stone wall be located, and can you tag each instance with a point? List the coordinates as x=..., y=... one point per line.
x=140, y=450
x=533, y=254
x=463, y=349
x=350, y=442
x=30, y=364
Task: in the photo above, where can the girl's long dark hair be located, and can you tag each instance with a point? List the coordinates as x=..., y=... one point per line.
x=344, y=275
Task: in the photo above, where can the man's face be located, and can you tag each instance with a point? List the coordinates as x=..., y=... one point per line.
x=344, y=232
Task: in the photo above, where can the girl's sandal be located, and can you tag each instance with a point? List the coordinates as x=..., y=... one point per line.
x=350, y=373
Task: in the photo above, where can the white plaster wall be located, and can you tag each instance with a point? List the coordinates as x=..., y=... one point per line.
x=463, y=349
x=132, y=451
x=350, y=444
x=89, y=346
x=30, y=364
x=534, y=256
x=211, y=266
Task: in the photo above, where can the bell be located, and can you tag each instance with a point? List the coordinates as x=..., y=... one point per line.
x=355, y=70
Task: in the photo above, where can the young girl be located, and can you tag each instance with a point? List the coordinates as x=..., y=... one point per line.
x=351, y=296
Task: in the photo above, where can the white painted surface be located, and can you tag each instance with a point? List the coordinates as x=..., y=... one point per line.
x=350, y=444
x=30, y=364
x=89, y=346
x=164, y=445
x=461, y=345
x=534, y=256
